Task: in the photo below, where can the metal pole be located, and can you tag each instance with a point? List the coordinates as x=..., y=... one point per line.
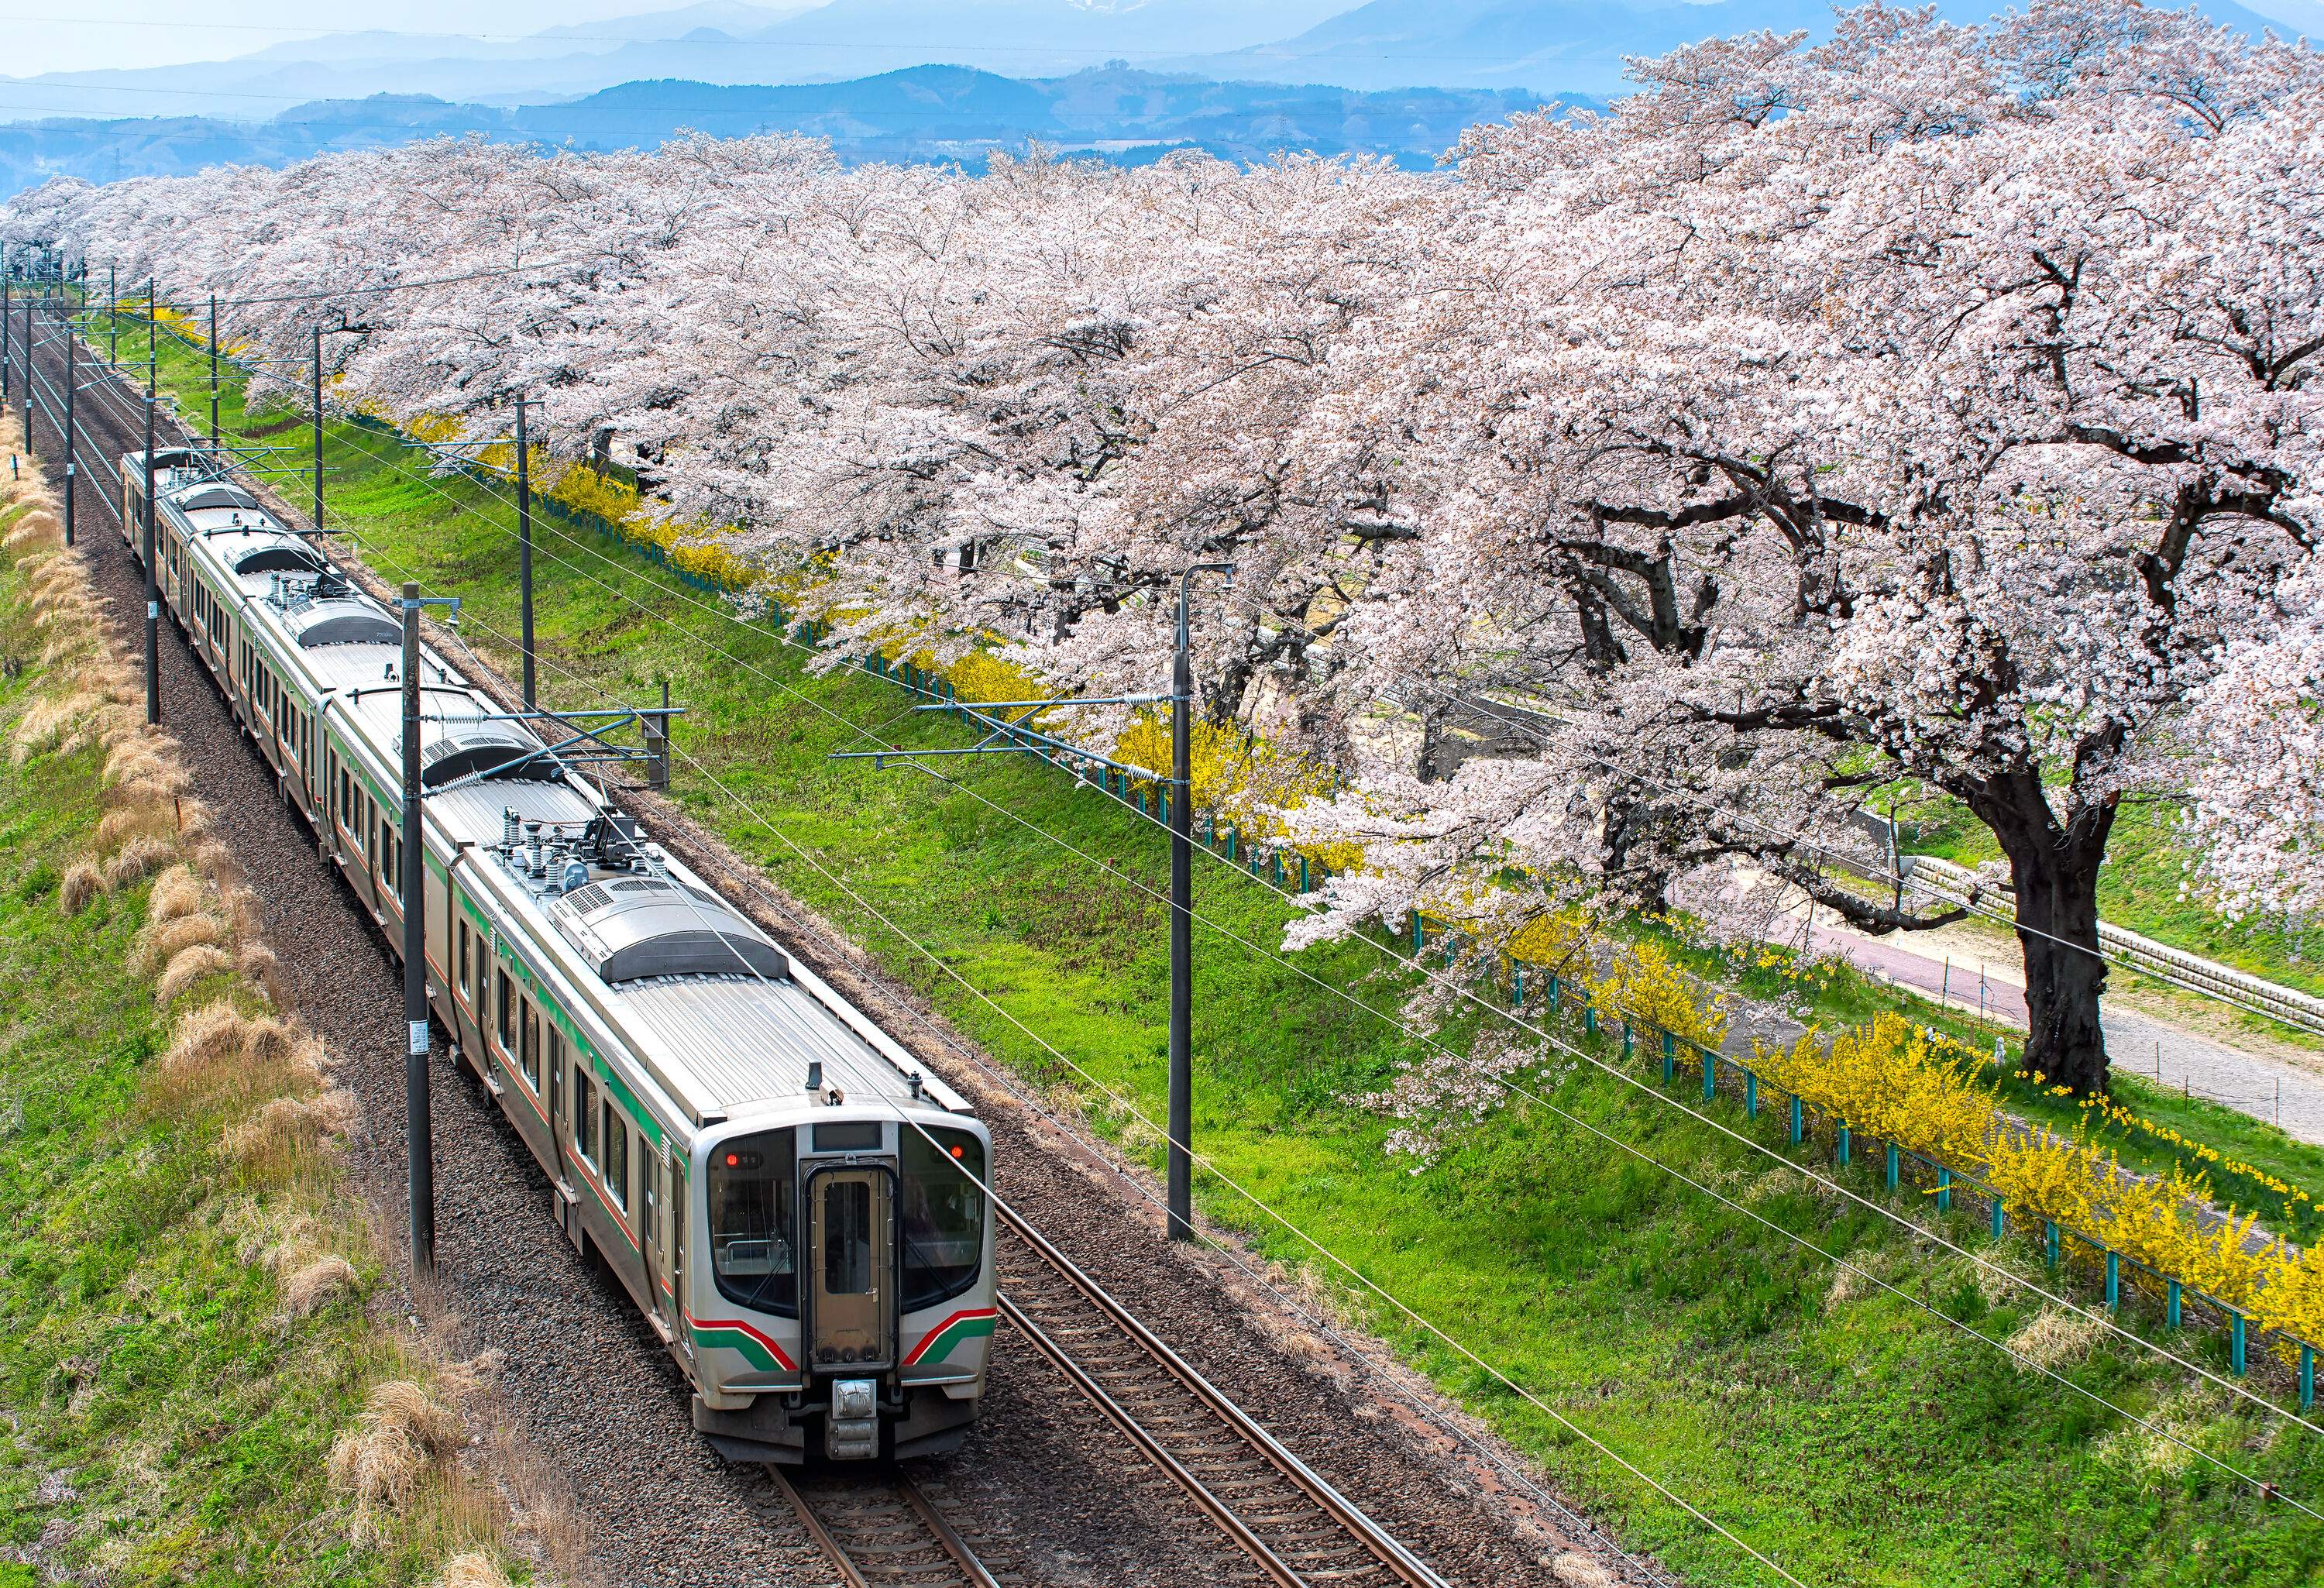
x=152, y=582
x=72, y=454
x=1181, y=1167
x=7, y=335
x=153, y=329
x=524, y=546
x=113, y=314
x=318, y=430
x=27, y=402
x=216, y=438
x=419, y=1132
x=1182, y=942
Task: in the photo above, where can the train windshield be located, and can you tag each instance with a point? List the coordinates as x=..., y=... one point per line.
x=942, y=1214
x=753, y=1199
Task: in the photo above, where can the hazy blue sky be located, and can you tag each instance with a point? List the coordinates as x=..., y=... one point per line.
x=43, y=35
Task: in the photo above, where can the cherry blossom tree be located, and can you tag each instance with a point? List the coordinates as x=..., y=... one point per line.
x=1936, y=404
x=1933, y=403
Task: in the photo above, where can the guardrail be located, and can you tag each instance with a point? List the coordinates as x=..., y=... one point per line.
x=1953, y=885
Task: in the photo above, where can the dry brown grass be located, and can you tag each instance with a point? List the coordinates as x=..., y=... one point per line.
x=176, y=892
x=471, y=1568
x=318, y=1284
x=1575, y=1570
x=2052, y=1339
x=283, y=1136
x=142, y=818
x=83, y=886
x=188, y=969
x=158, y=945
x=382, y=1461
x=138, y=858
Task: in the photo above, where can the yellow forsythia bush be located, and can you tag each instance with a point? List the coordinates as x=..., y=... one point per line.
x=1644, y=982
x=1888, y=1080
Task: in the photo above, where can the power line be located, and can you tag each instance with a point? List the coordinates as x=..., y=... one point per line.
x=937, y=960
x=1463, y=991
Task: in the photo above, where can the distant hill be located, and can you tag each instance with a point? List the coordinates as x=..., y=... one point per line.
x=927, y=113
x=1577, y=43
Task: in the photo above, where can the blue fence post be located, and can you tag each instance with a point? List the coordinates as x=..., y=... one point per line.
x=2170, y=1304
x=2307, y=1377
x=1590, y=1017
x=2114, y=1281
x=1516, y=985
x=1556, y=994
x=2236, y=1343
x=1944, y=1190
x=1893, y=1177
x=1710, y=1074
x=1305, y=886
x=1799, y=1120
x=2050, y=1242
x=1626, y=1039
x=1231, y=843
x=1750, y=1095
x=2000, y=1219
x=1843, y=1145
x=1278, y=868
x=1670, y=1058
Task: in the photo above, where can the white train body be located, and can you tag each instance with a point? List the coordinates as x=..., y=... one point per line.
x=791, y=1203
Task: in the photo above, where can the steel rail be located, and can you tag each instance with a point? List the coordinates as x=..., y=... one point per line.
x=1400, y=1562
x=852, y=1573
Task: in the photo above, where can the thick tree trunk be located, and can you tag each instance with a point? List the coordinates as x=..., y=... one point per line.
x=2054, y=869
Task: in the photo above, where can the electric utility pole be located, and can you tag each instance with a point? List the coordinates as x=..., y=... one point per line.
x=1181, y=1173
x=113, y=314
x=419, y=1129
x=524, y=544
x=152, y=582
x=318, y=429
x=216, y=438
x=72, y=449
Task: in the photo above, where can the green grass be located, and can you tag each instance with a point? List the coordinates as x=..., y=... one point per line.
x=1858, y=1440
x=179, y=1427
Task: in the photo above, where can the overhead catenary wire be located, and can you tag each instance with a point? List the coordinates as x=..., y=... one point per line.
x=936, y=959
x=1927, y=1235
x=1464, y=992
x=1577, y=1431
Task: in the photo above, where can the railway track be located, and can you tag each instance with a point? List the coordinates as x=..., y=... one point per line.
x=883, y=1532
x=1296, y=1528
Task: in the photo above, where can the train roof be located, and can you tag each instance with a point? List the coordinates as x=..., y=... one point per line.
x=726, y=1022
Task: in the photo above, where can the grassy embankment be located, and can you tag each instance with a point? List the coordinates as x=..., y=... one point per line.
x=1851, y=1436
x=200, y=1373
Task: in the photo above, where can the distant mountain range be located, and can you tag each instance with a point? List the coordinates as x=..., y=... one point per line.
x=911, y=80
x=1542, y=45
x=921, y=113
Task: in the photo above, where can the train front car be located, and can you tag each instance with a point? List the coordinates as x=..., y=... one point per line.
x=847, y=1302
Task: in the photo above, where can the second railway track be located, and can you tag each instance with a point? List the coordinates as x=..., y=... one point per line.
x=1296, y=1527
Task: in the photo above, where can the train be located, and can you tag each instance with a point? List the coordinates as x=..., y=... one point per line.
x=793, y=1204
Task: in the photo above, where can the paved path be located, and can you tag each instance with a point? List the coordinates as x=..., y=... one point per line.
x=2267, y=1086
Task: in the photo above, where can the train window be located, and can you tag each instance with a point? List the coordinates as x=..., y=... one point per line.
x=615, y=1143
x=585, y=1115
x=506, y=1013
x=753, y=1189
x=942, y=1214
x=531, y=1057
x=555, y=1051
x=464, y=967
x=846, y=1237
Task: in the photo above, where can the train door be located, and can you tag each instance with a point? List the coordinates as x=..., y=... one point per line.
x=851, y=1269
x=654, y=1231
